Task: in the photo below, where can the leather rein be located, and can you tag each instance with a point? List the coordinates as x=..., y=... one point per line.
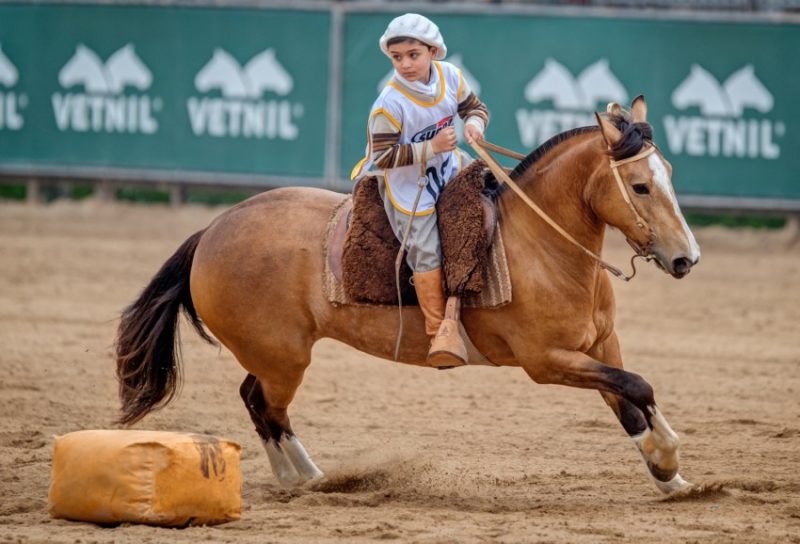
x=500, y=174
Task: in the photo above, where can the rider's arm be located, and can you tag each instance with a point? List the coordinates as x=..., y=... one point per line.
x=470, y=108
x=385, y=146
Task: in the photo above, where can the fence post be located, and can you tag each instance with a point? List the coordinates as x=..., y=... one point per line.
x=793, y=229
x=105, y=191
x=334, y=132
x=32, y=191
x=177, y=195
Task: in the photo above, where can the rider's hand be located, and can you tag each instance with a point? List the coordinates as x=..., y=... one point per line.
x=444, y=141
x=472, y=134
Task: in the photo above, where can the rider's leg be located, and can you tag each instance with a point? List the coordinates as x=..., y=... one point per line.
x=424, y=257
x=441, y=320
x=428, y=286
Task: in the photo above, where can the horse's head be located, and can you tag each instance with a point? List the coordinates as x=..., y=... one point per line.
x=598, y=83
x=555, y=83
x=702, y=90
x=222, y=72
x=267, y=74
x=84, y=67
x=639, y=199
x=124, y=67
x=745, y=90
x=8, y=72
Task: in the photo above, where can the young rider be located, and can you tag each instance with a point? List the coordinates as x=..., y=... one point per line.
x=411, y=125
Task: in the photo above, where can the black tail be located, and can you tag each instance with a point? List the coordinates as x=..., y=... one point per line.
x=148, y=353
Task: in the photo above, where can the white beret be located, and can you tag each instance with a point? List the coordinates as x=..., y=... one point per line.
x=414, y=25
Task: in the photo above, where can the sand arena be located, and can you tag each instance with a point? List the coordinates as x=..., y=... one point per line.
x=417, y=455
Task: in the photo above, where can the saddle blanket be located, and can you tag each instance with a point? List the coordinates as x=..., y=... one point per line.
x=496, y=291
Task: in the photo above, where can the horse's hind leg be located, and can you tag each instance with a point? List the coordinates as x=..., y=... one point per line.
x=631, y=398
x=288, y=458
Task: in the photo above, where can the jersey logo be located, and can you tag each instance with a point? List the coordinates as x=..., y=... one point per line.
x=430, y=131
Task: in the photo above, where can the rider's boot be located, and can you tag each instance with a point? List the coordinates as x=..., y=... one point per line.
x=447, y=348
x=431, y=298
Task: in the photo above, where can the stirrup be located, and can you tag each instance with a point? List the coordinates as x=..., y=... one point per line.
x=447, y=348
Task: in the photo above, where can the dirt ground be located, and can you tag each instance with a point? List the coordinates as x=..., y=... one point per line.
x=417, y=455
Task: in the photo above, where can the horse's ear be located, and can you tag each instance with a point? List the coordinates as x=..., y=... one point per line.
x=610, y=133
x=639, y=109
x=614, y=109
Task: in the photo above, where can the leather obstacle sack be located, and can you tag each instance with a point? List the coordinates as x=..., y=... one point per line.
x=157, y=478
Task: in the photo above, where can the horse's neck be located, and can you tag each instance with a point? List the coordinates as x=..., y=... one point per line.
x=557, y=183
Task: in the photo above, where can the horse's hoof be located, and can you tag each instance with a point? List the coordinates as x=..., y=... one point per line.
x=675, y=484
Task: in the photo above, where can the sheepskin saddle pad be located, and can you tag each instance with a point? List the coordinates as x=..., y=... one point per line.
x=361, y=248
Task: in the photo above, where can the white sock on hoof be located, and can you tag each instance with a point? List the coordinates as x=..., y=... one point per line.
x=663, y=434
x=282, y=467
x=653, y=452
x=675, y=484
x=300, y=459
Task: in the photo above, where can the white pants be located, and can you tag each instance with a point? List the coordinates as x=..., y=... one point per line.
x=423, y=249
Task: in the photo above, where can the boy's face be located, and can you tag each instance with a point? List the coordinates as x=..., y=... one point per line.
x=412, y=60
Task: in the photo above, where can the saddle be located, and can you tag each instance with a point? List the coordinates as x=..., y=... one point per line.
x=361, y=246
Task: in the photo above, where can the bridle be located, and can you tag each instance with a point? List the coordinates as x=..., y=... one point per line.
x=642, y=251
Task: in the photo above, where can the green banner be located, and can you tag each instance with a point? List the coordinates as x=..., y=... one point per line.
x=165, y=88
x=203, y=91
x=722, y=97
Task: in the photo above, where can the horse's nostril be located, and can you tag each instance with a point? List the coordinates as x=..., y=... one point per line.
x=681, y=265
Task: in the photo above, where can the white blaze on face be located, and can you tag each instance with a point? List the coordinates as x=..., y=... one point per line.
x=661, y=179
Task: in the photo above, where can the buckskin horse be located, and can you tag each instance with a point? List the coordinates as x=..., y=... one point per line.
x=254, y=277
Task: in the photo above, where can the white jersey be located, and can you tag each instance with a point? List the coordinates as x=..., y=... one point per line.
x=418, y=122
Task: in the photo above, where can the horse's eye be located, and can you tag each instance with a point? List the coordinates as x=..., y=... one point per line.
x=641, y=189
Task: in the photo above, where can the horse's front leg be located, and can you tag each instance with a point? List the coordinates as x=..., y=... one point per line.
x=630, y=397
x=656, y=441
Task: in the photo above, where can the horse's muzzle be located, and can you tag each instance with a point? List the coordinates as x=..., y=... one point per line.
x=677, y=267
x=681, y=266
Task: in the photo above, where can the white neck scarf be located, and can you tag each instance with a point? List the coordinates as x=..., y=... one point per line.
x=430, y=90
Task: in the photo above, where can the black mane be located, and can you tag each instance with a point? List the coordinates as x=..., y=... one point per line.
x=540, y=151
x=634, y=136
